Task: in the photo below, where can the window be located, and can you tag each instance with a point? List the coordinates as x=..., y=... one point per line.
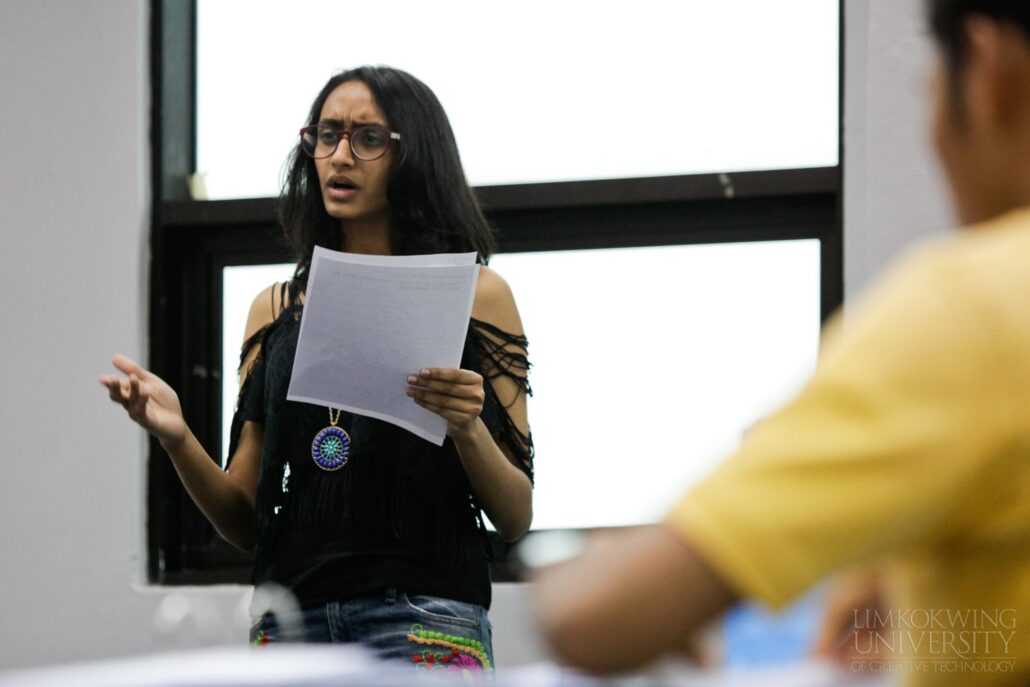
x=649, y=363
x=565, y=91
x=744, y=243
x=240, y=283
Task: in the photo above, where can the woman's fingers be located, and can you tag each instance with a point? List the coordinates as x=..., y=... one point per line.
x=444, y=401
x=119, y=391
x=449, y=397
x=128, y=366
x=449, y=382
x=147, y=400
x=114, y=389
x=443, y=376
x=132, y=394
x=450, y=388
x=456, y=415
x=455, y=395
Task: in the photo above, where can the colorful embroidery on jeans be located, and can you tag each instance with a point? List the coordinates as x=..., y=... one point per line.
x=459, y=654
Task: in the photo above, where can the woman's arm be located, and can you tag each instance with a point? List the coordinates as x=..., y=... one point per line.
x=501, y=488
x=225, y=498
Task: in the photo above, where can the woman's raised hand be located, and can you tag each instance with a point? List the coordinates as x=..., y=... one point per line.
x=455, y=395
x=147, y=399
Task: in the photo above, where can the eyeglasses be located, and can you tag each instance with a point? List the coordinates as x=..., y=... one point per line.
x=366, y=142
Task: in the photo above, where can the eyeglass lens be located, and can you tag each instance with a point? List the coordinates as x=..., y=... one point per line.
x=366, y=142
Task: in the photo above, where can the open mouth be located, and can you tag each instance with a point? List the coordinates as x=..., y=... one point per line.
x=342, y=186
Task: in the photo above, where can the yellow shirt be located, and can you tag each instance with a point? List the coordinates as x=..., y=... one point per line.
x=910, y=444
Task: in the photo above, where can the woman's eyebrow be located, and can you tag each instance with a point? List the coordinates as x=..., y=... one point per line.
x=342, y=124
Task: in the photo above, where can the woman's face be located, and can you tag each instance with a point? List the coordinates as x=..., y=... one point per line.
x=353, y=190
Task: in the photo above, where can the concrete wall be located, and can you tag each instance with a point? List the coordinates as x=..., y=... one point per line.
x=73, y=225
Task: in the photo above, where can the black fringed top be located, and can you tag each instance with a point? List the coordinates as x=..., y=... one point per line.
x=400, y=514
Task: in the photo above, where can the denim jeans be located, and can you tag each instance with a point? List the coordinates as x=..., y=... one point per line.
x=427, y=631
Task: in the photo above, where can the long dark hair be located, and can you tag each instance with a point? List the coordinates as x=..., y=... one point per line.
x=432, y=208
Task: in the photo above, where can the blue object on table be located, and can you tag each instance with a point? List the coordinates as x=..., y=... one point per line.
x=755, y=636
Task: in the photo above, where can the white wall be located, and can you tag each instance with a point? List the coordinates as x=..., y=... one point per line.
x=73, y=255
x=893, y=193
x=73, y=216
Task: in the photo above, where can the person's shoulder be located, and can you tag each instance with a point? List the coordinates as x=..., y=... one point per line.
x=934, y=310
x=491, y=286
x=1000, y=246
x=981, y=267
x=265, y=307
x=943, y=269
x=495, y=303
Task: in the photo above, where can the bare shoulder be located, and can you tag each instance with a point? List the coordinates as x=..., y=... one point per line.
x=494, y=302
x=263, y=309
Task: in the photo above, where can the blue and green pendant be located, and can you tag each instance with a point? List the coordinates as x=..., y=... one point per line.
x=331, y=447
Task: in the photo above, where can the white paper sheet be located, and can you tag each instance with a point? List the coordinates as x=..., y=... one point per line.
x=369, y=321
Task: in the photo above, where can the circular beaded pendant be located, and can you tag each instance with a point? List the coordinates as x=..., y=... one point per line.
x=331, y=448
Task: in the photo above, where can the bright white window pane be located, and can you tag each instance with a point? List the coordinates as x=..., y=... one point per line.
x=240, y=285
x=536, y=90
x=648, y=363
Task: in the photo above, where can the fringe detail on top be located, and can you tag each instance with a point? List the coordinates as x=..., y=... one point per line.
x=503, y=354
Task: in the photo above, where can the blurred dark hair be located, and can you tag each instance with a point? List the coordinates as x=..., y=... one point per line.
x=432, y=208
x=947, y=16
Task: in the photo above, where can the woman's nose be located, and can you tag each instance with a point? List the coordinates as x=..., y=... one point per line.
x=343, y=154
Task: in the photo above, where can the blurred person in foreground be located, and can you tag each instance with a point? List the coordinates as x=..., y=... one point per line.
x=909, y=449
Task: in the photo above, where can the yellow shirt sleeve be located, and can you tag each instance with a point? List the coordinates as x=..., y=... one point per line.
x=899, y=424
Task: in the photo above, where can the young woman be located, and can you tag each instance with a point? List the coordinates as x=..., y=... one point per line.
x=384, y=546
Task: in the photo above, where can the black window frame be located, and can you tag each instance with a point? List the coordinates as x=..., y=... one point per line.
x=191, y=241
